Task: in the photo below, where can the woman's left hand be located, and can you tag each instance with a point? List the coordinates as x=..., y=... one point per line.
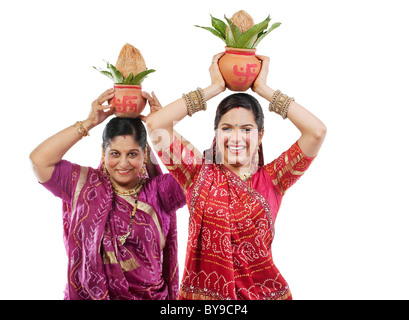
x=261, y=80
x=153, y=103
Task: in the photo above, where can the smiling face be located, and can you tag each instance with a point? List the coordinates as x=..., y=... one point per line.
x=124, y=159
x=237, y=138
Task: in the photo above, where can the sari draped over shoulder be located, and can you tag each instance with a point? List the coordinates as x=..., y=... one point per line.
x=231, y=226
x=99, y=265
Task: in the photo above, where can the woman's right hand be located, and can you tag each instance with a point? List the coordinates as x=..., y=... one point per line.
x=100, y=111
x=215, y=74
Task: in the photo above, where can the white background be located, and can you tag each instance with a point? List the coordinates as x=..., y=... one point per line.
x=341, y=232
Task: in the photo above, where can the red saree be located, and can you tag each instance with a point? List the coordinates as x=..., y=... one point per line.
x=231, y=226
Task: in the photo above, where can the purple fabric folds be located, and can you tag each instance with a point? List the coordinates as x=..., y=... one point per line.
x=99, y=265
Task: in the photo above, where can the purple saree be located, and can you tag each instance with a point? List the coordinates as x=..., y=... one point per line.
x=99, y=265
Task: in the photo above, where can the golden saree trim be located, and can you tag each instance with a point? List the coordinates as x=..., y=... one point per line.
x=109, y=257
x=151, y=211
x=80, y=184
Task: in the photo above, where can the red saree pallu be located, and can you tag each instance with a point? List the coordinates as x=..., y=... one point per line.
x=231, y=225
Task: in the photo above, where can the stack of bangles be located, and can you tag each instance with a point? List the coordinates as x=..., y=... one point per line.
x=82, y=131
x=279, y=103
x=194, y=101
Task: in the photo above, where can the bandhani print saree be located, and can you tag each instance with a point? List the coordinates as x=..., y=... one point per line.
x=100, y=266
x=231, y=226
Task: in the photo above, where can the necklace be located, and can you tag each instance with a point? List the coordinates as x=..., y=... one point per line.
x=245, y=176
x=245, y=179
x=135, y=191
x=129, y=192
x=250, y=193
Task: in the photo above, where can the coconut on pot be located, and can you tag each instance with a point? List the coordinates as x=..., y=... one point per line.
x=127, y=75
x=242, y=20
x=239, y=66
x=130, y=60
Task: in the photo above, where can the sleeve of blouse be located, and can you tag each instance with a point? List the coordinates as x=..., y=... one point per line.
x=63, y=180
x=288, y=168
x=182, y=160
x=171, y=193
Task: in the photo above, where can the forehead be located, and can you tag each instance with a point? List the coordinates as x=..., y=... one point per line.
x=124, y=142
x=238, y=116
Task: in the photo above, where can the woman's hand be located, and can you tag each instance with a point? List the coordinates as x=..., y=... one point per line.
x=154, y=104
x=100, y=111
x=261, y=81
x=215, y=74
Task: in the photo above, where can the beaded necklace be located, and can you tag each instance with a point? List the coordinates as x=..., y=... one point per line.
x=134, y=191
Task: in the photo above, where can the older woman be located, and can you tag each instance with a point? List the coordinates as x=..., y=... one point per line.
x=233, y=197
x=119, y=219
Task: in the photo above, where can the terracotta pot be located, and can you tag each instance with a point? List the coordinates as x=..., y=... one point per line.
x=128, y=100
x=239, y=68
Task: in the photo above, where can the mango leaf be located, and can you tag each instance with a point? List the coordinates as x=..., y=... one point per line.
x=248, y=38
x=214, y=31
x=219, y=25
x=275, y=25
x=105, y=73
x=128, y=79
x=137, y=80
x=118, y=78
x=233, y=34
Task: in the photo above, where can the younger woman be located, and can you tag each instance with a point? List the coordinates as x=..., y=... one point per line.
x=233, y=197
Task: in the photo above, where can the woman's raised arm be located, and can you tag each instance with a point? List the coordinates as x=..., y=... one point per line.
x=313, y=131
x=51, y=151
x=165, y=118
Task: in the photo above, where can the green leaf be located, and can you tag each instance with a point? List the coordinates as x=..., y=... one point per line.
x=128, y=79
x=137, y=80
x=214, y=31
x=233, y=34
x=248, y=38
x=275, y=25
x=118, y=78
x=220, y=26
x=105, y=73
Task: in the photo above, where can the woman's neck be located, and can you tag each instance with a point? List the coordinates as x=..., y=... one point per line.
x=242, y=171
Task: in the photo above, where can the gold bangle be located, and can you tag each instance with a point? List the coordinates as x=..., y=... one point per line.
x=82, y=131
x=202, y=98
x=273, y=101
x=188, y=104
x=285, y=107
x=282, y=98
x=280, y=103
x=194, y=101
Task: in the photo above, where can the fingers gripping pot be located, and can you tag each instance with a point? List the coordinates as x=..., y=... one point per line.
x=128, y=74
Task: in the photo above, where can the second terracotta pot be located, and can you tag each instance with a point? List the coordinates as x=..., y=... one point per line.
x=239, y=68
x=128, y=100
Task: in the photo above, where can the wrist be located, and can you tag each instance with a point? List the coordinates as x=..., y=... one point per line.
x=88, y=124
x=265, y=91
x=212, y=91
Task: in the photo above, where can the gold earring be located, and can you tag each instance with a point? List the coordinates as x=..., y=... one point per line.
x=103, y=167
x=143, y=174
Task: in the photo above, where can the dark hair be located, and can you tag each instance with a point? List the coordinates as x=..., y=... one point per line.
x=242, y=100
x=124, y=126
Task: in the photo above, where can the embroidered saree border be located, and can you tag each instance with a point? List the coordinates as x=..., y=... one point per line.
x=288, y=168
